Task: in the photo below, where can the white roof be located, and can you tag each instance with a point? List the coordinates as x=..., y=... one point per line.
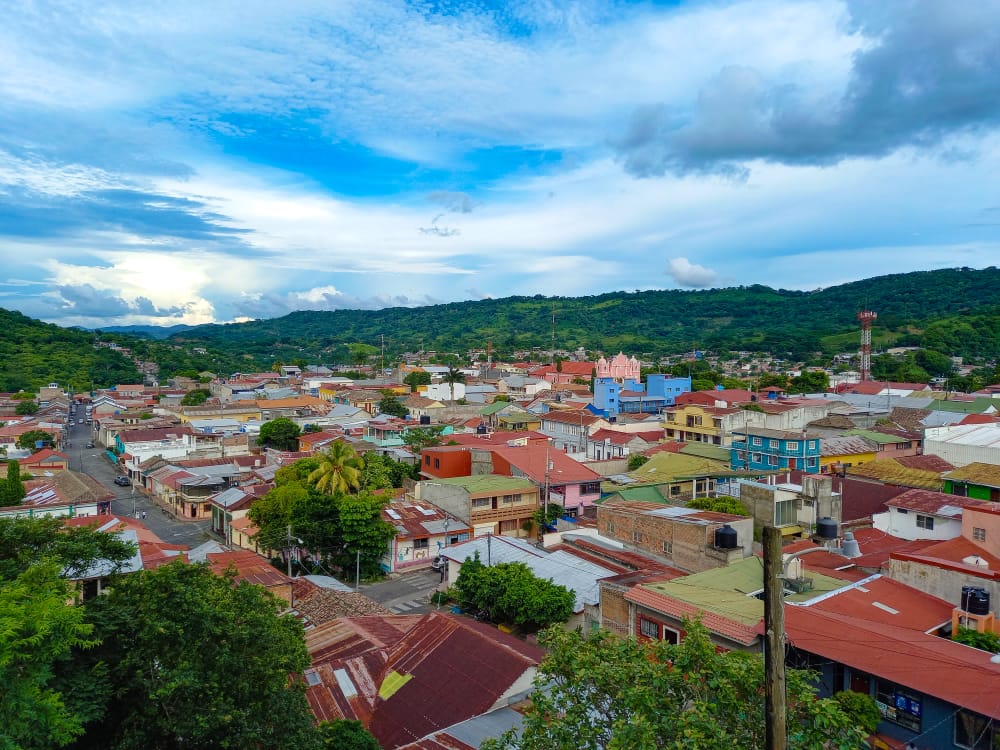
x=981, y=435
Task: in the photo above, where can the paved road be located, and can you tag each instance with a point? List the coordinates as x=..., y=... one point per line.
x=410, y=593
x=128, y=500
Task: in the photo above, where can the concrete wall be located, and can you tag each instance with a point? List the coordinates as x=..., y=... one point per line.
x=451, y=499
x=904, y=525
x=942, y=583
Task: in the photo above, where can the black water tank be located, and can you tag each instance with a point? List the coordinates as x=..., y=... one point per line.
x=424, y=419
x=725, y=537
x=826, y=528
x=975, y=600
x=482, y=429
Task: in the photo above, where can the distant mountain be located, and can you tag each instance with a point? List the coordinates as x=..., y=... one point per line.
x=955, y=310
x=152, y=332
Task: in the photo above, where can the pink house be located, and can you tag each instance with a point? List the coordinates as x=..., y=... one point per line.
x=619, y=368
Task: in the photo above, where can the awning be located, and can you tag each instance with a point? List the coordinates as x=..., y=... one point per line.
x=790, y=530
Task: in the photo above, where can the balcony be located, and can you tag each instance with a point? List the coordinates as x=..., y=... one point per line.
x=506, y=512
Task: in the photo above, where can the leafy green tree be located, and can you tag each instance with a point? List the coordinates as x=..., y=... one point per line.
x=197, y=660
x=549, y=514
x=346, y=734
x=602, y=692
x=635, y=460
x=39, y=630
x=377, y=472
x=339, y=469
x=451, y=377
x=511, y=593
x=861, y=708
x=720, y=504
x=196, y=397
x=282, y=434
x=417, y=378
x=772, y=378
x=26, y=407
x=418, y=438
x=810, y=381
x=391, y=405
x=365, y=535
x=985, y=641
x=27, y=440
x=12, y=491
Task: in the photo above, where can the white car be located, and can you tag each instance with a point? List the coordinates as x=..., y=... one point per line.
x=79, y=421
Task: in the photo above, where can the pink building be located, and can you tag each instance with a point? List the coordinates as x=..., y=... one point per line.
x=619, y=368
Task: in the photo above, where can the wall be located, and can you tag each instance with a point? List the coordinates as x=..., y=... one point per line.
x=941, y=582
x=902, y=523
x=973, y=518
x=614, y=608
x=453, y=500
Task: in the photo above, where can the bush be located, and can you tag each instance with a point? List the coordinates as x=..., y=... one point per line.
x=861, y=708
x=984, y=641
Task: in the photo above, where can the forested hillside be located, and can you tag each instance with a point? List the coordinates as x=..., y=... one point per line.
x=33, y=354
x=953, y=310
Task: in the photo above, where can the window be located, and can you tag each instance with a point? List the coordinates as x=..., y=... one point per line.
x=590, y=488
x=756, y=458
x=675, y=489
x=978, y=534
x=756, y=441
x=649, y=628
x=611, y=527
x=511, y=498
x=482, y=502
x=427, y=460
x=637, y=537
x=974, y=731
x=508, y=526
x=925, y=522
x=772, y=460
x=898, y=705
x=784, y=512
x=668, y=548
x=437, y=463
x=421, y=543
x=792, y=446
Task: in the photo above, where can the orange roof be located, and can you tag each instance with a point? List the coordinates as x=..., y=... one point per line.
x=723, y=626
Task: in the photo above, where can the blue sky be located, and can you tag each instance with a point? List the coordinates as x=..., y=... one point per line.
x=192, y=162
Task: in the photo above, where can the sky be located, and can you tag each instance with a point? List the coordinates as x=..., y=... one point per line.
x=192, y=162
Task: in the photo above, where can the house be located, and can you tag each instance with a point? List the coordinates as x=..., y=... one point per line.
x=888, y=445
x=565, y=372
x=507, y=416
x=837, y=454
x=422, y=531
x=686, y=538
x=569, y=483
x=570, y=428
x=977, y=479
x=135, y=446
x=43, y=461
x=419, y=405
x=487, y=503
x=762, y=449
x=606, y=444
x=793, y=508
x=62, y=494
x=521, y=387
x=406, y=676
x=964, y=444
x=252, y=568
x=230, y=505
x=389, y=432
x=613, y=397
x=900, y=473
x=924, y=514
x=681, y=476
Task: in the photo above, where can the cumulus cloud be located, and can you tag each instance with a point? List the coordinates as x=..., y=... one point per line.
x=686, y=273
x=929, y=71
x=275, y=305
x=84, y=301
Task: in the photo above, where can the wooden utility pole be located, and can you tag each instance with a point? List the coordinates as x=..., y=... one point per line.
x=776, y=733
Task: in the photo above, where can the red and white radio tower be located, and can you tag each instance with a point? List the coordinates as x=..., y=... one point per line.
x=866, y=317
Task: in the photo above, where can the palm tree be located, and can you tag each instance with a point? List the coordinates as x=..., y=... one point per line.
x=339, y=469
x=451, y=377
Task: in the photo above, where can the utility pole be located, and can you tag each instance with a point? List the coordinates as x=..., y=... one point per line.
x=776, y=735
x=357, y=569
x=382, y=340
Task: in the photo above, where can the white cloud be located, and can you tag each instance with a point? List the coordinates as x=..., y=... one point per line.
x=686, y=273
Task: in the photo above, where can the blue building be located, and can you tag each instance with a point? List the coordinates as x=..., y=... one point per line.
x=762, y=449
x=612, y=398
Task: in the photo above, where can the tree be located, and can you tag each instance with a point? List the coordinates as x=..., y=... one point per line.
x=197, y=660
x=603, y=692
x=391, y=405
x=720, y=504
x=12, y=491
x=364, y=534
x=347, y=734
x=26, y=407
x=418, y=438
x=511, y=593
x=861, y=708
x=282, y=434
x=339, y=469
x=416, y=378
x=547, y=515
x=196, y=397
x=635, y=460
x=810, y=381
x=28, y=440
x=451, y=377
x=38, y=631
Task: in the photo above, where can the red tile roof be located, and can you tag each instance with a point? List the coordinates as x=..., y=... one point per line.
x=531, y=460
x=876, y=547
x=249, y=567
x=874, y=599
x=925, y=462
x=934, y=503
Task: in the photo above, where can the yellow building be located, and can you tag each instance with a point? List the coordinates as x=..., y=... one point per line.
x=696, y=423
x=844, y=452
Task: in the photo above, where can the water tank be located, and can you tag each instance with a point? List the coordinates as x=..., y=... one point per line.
x=975, y=600
x=725, y=537
x=482, y=429
x=424, y=419
x=826, y=528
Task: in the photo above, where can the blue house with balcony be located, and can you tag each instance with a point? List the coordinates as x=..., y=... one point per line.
x=763, y=449
x=612, y=398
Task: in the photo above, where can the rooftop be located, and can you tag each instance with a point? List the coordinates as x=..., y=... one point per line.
x=986, y=475
x=479, y=484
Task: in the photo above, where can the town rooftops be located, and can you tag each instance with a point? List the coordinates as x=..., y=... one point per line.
x=846, y=445
x=981, y=435
x=934, y=503
x=983, y=474
x=487, y=484
x=571, y=417
x=879, y=438
x=891, y=471
x=531, y=461
x=776, y=434
x=418, y=519
x=674, y=512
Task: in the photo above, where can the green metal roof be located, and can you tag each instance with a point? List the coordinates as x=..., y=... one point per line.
x=498, y=406
x=879, y=438
x=978, y=406
x=647, y=493
x=726, y=591
x=706, y=450
x=663, y=468
x=482, y=483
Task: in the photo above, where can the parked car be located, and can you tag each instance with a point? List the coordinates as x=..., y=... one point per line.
x=123, y=481
x=439, y=562
x=90, y=444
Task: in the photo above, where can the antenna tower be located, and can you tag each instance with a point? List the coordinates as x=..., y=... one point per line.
x=866, y=317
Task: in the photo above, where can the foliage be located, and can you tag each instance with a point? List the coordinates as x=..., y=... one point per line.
x=549, y=514
x=609, y=693
x=635, y=460
x=196, y=397
x=38, y=631
x=196, y=660
x=451, y=377
x=720, y=504
x=809, y=381
x=31, y=541
x=418, y=438
x=986, y=641
x=282, y=434
x=25, y=407
x=511, y=593
x=416, y=378
x=346, y=734
x=392, y=406
x=339, y=469
x=30, y=438
x=861, y=708
x=12, y=491
x=382, y=472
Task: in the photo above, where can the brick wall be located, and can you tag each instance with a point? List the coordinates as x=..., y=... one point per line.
x=614, y=609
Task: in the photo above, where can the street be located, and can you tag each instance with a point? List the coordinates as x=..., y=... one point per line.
x=128, y=501
x=410, y=593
